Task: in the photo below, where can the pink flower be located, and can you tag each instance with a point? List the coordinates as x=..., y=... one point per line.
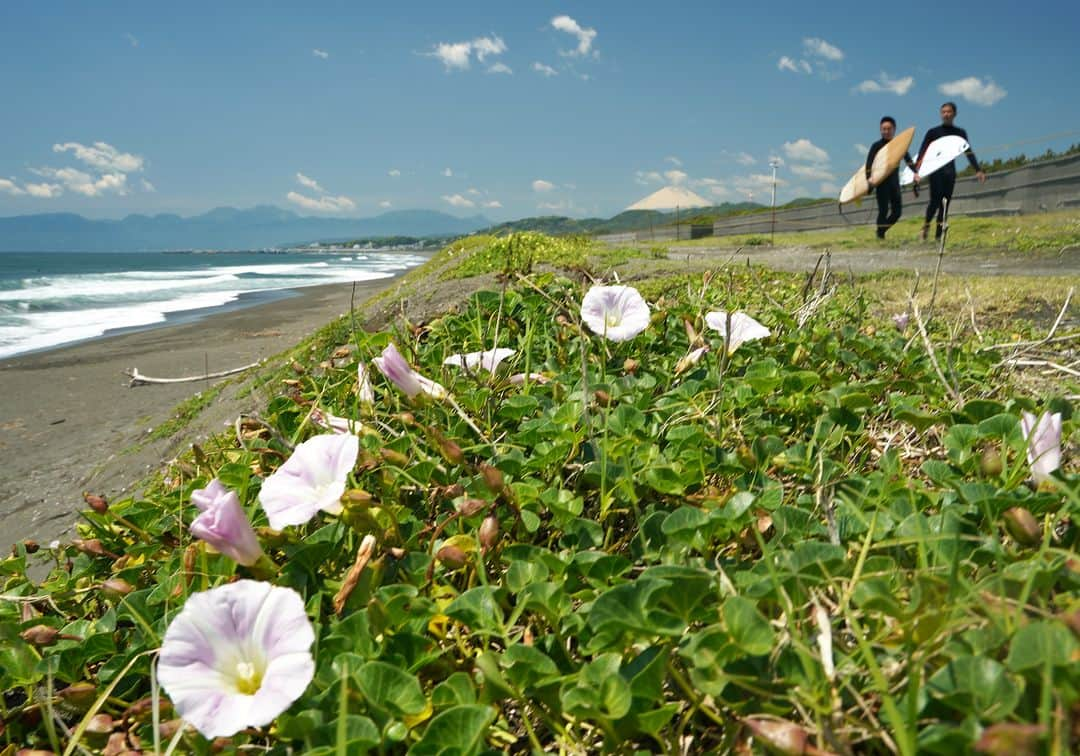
x=363, y=385
x=236, y=656
x=334, y=423
x=223, y=524
x=900, y=320
x=1044, y=443
x=692, y=358
x=519, y=379
x=618, y=313
x=312, y=479
x=488, y=360
x=743, y=328
x=400, y=373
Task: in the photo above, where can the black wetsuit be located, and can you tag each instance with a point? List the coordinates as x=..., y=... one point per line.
x=943, y=180
x=887, y=192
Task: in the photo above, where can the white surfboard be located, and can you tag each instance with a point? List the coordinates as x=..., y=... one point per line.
x=907, y=176
x=940, y=153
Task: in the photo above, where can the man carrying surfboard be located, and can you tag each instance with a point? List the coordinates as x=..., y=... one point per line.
x=888, y=190
x=943, y=180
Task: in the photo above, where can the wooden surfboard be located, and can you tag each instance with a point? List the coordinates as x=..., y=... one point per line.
x=885, y=162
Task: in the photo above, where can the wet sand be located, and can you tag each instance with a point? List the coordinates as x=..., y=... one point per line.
x=69, y=421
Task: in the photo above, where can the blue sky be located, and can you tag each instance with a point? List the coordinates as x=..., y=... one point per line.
x=505, y=109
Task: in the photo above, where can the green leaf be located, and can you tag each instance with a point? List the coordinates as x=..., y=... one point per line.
x=459, y=731
x=748, y=627
x=391, y=689
x=476, y=608
x=976, y=682
x=1040, y=642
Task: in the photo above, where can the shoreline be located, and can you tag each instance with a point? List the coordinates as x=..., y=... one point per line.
x=70, y=423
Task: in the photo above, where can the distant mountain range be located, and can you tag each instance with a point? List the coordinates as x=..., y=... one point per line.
x=222, y=228
x=628, y=220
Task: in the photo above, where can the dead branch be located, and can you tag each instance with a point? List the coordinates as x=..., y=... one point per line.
x=138, y=379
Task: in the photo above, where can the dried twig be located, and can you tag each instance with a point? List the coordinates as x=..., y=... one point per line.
x=920, y=323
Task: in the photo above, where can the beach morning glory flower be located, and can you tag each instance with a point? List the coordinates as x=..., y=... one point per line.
x=520, y=379
x=312, y=479
x=743, y=328
x=236, y=656
x=618, y=313
x=223, y=524
x=692, y=358
x=398, y=371
x=900, y=320
x=334, y=423
x=1044, y=443
x=488, y=360
x=364, y=391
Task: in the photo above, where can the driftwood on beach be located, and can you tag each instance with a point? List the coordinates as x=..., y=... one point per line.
x=138, y=379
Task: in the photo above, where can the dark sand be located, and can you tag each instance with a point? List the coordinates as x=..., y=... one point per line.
x=69, y=421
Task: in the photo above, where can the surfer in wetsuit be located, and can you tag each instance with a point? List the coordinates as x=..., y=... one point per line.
x=943, y=180
x=888, y=191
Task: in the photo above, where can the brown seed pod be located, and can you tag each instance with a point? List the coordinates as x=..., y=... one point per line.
x=603, y=398
x=489, y=532
x=1022, y=526
x=493, y=478
x=630, y=365
x=96, y=503
x=990, y=461
x=470, y=507
x=116, y=588
x=40, y=635
x=784, y=737
x=452, y=557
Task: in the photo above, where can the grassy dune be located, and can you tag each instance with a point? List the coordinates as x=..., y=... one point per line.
x=825, y=539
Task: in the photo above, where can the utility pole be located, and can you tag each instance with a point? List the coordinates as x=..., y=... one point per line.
x=774, y=163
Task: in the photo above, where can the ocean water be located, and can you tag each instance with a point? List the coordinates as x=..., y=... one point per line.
x=56, y=298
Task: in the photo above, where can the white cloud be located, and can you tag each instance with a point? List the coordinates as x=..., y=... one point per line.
x=585, y=36
x=744, y=158
x=473, y=191
x=827, y=187
x=861, y=148
x=674, y=161
x=324, y=204
x=44, y=190
x=557, y=205
x=386, y=204
x=147, y=186
x=675, y=176
x=819, y=48
x=795, y=66
x=493, y=204
x=975, y=90
x=310, y=183
x=9, y=187
x=542, y=186
x=544, y=69
x=815, y=172
x=447, y=172
x=132, y=39
x=103, y=156
x=458, y=55
x=83, y=183
x=320, y=53
x=648, y=177
x=456, y=200
x=393, y=173
x=885, y=83
x=756, y=181
x=500, y=68
x=804, y=149
x=776, y=159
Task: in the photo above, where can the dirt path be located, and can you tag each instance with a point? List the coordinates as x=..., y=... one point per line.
x=923, y=259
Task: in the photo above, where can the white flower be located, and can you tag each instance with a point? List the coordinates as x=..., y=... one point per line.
x=743, y=328
x=488, y=360
x=334, y=423
x=692, y=358
x=1044, y=443
x=520, y=379
x=618, y=313
x=236, y=656
x=398, y=371
x=312, y=479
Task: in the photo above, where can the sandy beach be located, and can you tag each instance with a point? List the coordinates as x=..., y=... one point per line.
x=69, y=420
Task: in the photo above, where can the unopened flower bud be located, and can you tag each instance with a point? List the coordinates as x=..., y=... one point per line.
x=100, y=725
x=116, y=588
x=1022, y=526
x=93, y=547
x=990, y=461
x=603, y=398
x=79, y=695
x=394, y=457
x=31, y=547
x=96, y=503
x=785, y=737
x=450, y=450
x=470, y=507
x=562, y=321
x=489, y=532
x=40, y=635
x=170, y=728
x=451, y=557
x=357, y=497
x=493, y=478
x=630, y=365
x=407, y=418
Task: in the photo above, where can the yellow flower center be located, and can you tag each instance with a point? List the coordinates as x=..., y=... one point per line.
x=248, y=678
x=612, y=319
